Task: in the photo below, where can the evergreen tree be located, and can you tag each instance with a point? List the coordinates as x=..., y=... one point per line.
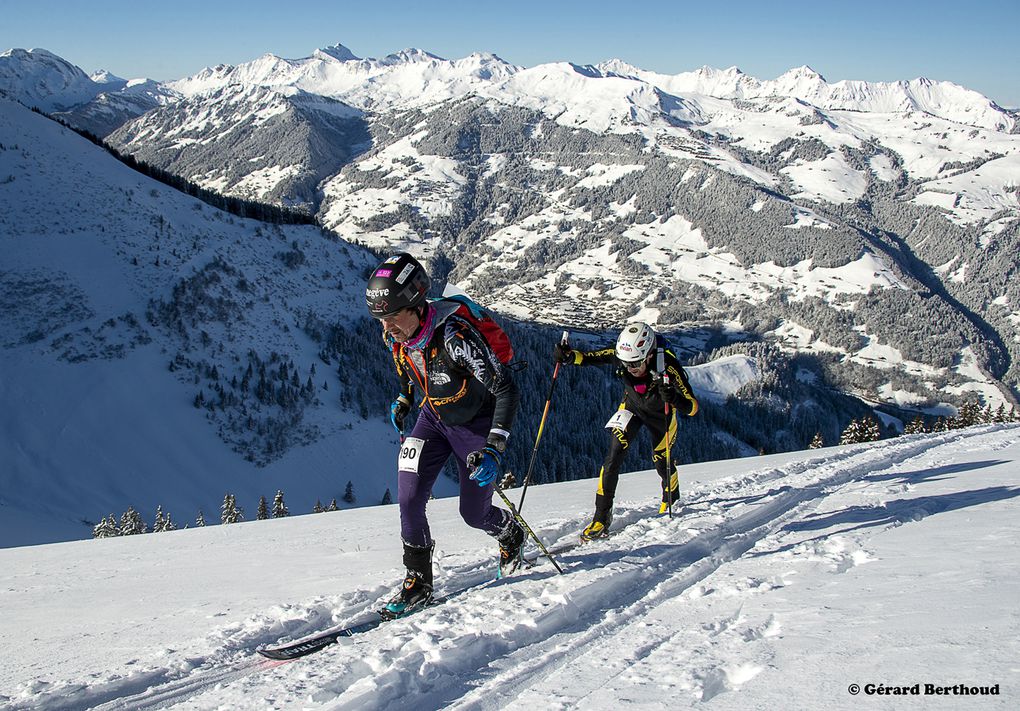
x=169, y=524
x=916, y=426
x=318, y=507
x=872, y=431
x=106, y=528
x=387, y=498
x=817, y=442
x=159, y=525
x=230, y=512
x=969, y=415
x=200, y=520
x=279, y=508
x=131, y=523
x=349, y=493
x=853, y=434
x=333, y=506
x=263, y=511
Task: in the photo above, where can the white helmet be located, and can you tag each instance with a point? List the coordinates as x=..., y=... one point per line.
x=636, y=341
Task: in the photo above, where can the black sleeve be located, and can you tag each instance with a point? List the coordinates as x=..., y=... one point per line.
x=603, y=356
x=468, y=350
x=687, y=403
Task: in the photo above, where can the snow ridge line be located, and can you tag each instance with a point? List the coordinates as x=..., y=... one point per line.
x=179, y=689
x=139, y=690
x=627, y=592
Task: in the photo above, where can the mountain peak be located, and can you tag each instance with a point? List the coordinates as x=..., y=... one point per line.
x=803, y=72
x=339, y=53
x=618, y=66
x=38, y=77
x=102, y=76
x=410, y=55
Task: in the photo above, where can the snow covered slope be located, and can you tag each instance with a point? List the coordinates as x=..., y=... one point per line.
x=791, y=581
x=123, y=301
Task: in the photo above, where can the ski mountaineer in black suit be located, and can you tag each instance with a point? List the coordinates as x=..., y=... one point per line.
x=646, y=395
x=468, y=404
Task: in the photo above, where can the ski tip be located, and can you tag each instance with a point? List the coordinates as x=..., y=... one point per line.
x=278, y=656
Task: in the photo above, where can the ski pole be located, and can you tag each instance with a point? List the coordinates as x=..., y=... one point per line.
x=541, y=425
x=661, y=367
x=524, y=524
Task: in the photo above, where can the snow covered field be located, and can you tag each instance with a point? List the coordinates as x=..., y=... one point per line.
x=786, y=581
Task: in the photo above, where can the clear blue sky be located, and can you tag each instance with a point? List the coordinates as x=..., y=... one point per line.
x=971, y=43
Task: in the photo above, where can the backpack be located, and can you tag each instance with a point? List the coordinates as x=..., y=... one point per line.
x=482, y=321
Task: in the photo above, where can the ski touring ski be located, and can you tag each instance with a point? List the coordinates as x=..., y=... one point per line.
x=320, y=640
x=369, y=621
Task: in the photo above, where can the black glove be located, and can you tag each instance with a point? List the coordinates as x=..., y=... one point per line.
x=667, y=391
x=562, y=353
x=398, y=411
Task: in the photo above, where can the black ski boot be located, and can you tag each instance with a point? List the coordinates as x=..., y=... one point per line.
x=511, y=544
x=670, y=496
x=600, y=522
x=416, y=592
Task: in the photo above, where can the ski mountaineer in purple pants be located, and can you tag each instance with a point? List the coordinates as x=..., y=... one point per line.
x=468, y=404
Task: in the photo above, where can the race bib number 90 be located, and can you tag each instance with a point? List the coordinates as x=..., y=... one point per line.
x=619, y=420
x=410, y=453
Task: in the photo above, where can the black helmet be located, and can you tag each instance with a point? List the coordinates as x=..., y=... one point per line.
x=398, y=283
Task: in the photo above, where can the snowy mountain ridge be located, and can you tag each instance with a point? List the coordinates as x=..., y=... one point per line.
x=416, y=77
x=40, y=78
x=938, y=98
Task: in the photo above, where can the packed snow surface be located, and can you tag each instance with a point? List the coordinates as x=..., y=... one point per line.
x=783, y=582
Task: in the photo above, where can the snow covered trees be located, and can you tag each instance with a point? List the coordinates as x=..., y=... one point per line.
x=131, y=523
x=861, y=430
x=163, y=522
x=279, y=507
x=230, y=512
x=106, y=528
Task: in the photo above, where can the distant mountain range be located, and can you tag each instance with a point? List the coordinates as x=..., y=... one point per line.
x=867, y=232
x=597, y=193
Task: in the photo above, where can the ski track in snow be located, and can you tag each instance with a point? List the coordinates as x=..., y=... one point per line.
x=521, y=641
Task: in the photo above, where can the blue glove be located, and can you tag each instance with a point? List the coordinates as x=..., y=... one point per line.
x=484, y=465
x=398, y=411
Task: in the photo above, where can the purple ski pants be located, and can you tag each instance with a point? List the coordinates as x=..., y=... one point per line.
x=435, y=441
